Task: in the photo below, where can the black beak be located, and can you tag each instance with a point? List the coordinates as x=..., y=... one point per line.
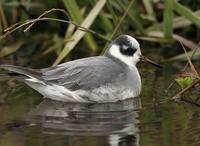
x=144, y=59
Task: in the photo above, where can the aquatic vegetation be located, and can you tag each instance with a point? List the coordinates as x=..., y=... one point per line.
x=91, y=20
x=185, y=82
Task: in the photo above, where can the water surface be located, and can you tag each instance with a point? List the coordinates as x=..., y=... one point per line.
x=27, y=119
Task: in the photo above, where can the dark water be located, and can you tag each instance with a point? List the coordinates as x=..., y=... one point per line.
x=28, y=120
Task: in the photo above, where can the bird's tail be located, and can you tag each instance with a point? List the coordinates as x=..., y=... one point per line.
x=21, y=73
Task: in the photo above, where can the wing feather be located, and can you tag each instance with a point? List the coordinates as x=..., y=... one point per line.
x=86, y=74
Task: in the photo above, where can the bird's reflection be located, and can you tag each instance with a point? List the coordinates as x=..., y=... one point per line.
x=115, y=120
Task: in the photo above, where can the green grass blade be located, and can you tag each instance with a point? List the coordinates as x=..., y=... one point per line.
x=79, y=34
x=9, y=49
x=113, y=16
x=28, y=3
x=1, y=28
x=58, y=44
x=181, y=21
x=112, y=35
x=187, y=13
x=154, y=39
x=134, y=20
x=168, y=19
x=182, y=56
x=106, y=22
x=74, y=11
x=178, y=22
x=77, y=17
x=149, y=9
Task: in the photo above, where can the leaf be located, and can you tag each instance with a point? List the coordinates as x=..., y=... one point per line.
x=182, y=56
x=118, y=25
x=23, y=3
x=180, y=22
x=79, y=34
x=188, y=43
x=159, y=34
x=135, y=21
x=9, y=49
x=153, y=39
x=185, y=82
x=76, y=15
x=58, y=44
x=113, y=16
x=186, y=89
x=191, y=65
x=149, y=8
x=187, y=13
x=168, y=17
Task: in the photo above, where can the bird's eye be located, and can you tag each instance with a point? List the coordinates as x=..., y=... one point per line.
x=128, y=51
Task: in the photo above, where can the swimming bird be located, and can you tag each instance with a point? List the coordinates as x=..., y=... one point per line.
x=101, y=79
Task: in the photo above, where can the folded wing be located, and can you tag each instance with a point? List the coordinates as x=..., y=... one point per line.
x=86, y=74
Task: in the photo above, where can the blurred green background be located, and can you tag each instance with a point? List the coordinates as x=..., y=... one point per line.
x=161, y=22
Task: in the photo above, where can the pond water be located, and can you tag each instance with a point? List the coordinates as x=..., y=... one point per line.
x=28, y=120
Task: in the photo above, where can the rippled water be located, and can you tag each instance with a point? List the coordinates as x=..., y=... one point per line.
x=27, y=119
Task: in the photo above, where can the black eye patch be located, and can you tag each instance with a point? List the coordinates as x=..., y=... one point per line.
x=128, y=51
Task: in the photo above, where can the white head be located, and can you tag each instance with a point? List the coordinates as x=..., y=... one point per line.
x=126, y=49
